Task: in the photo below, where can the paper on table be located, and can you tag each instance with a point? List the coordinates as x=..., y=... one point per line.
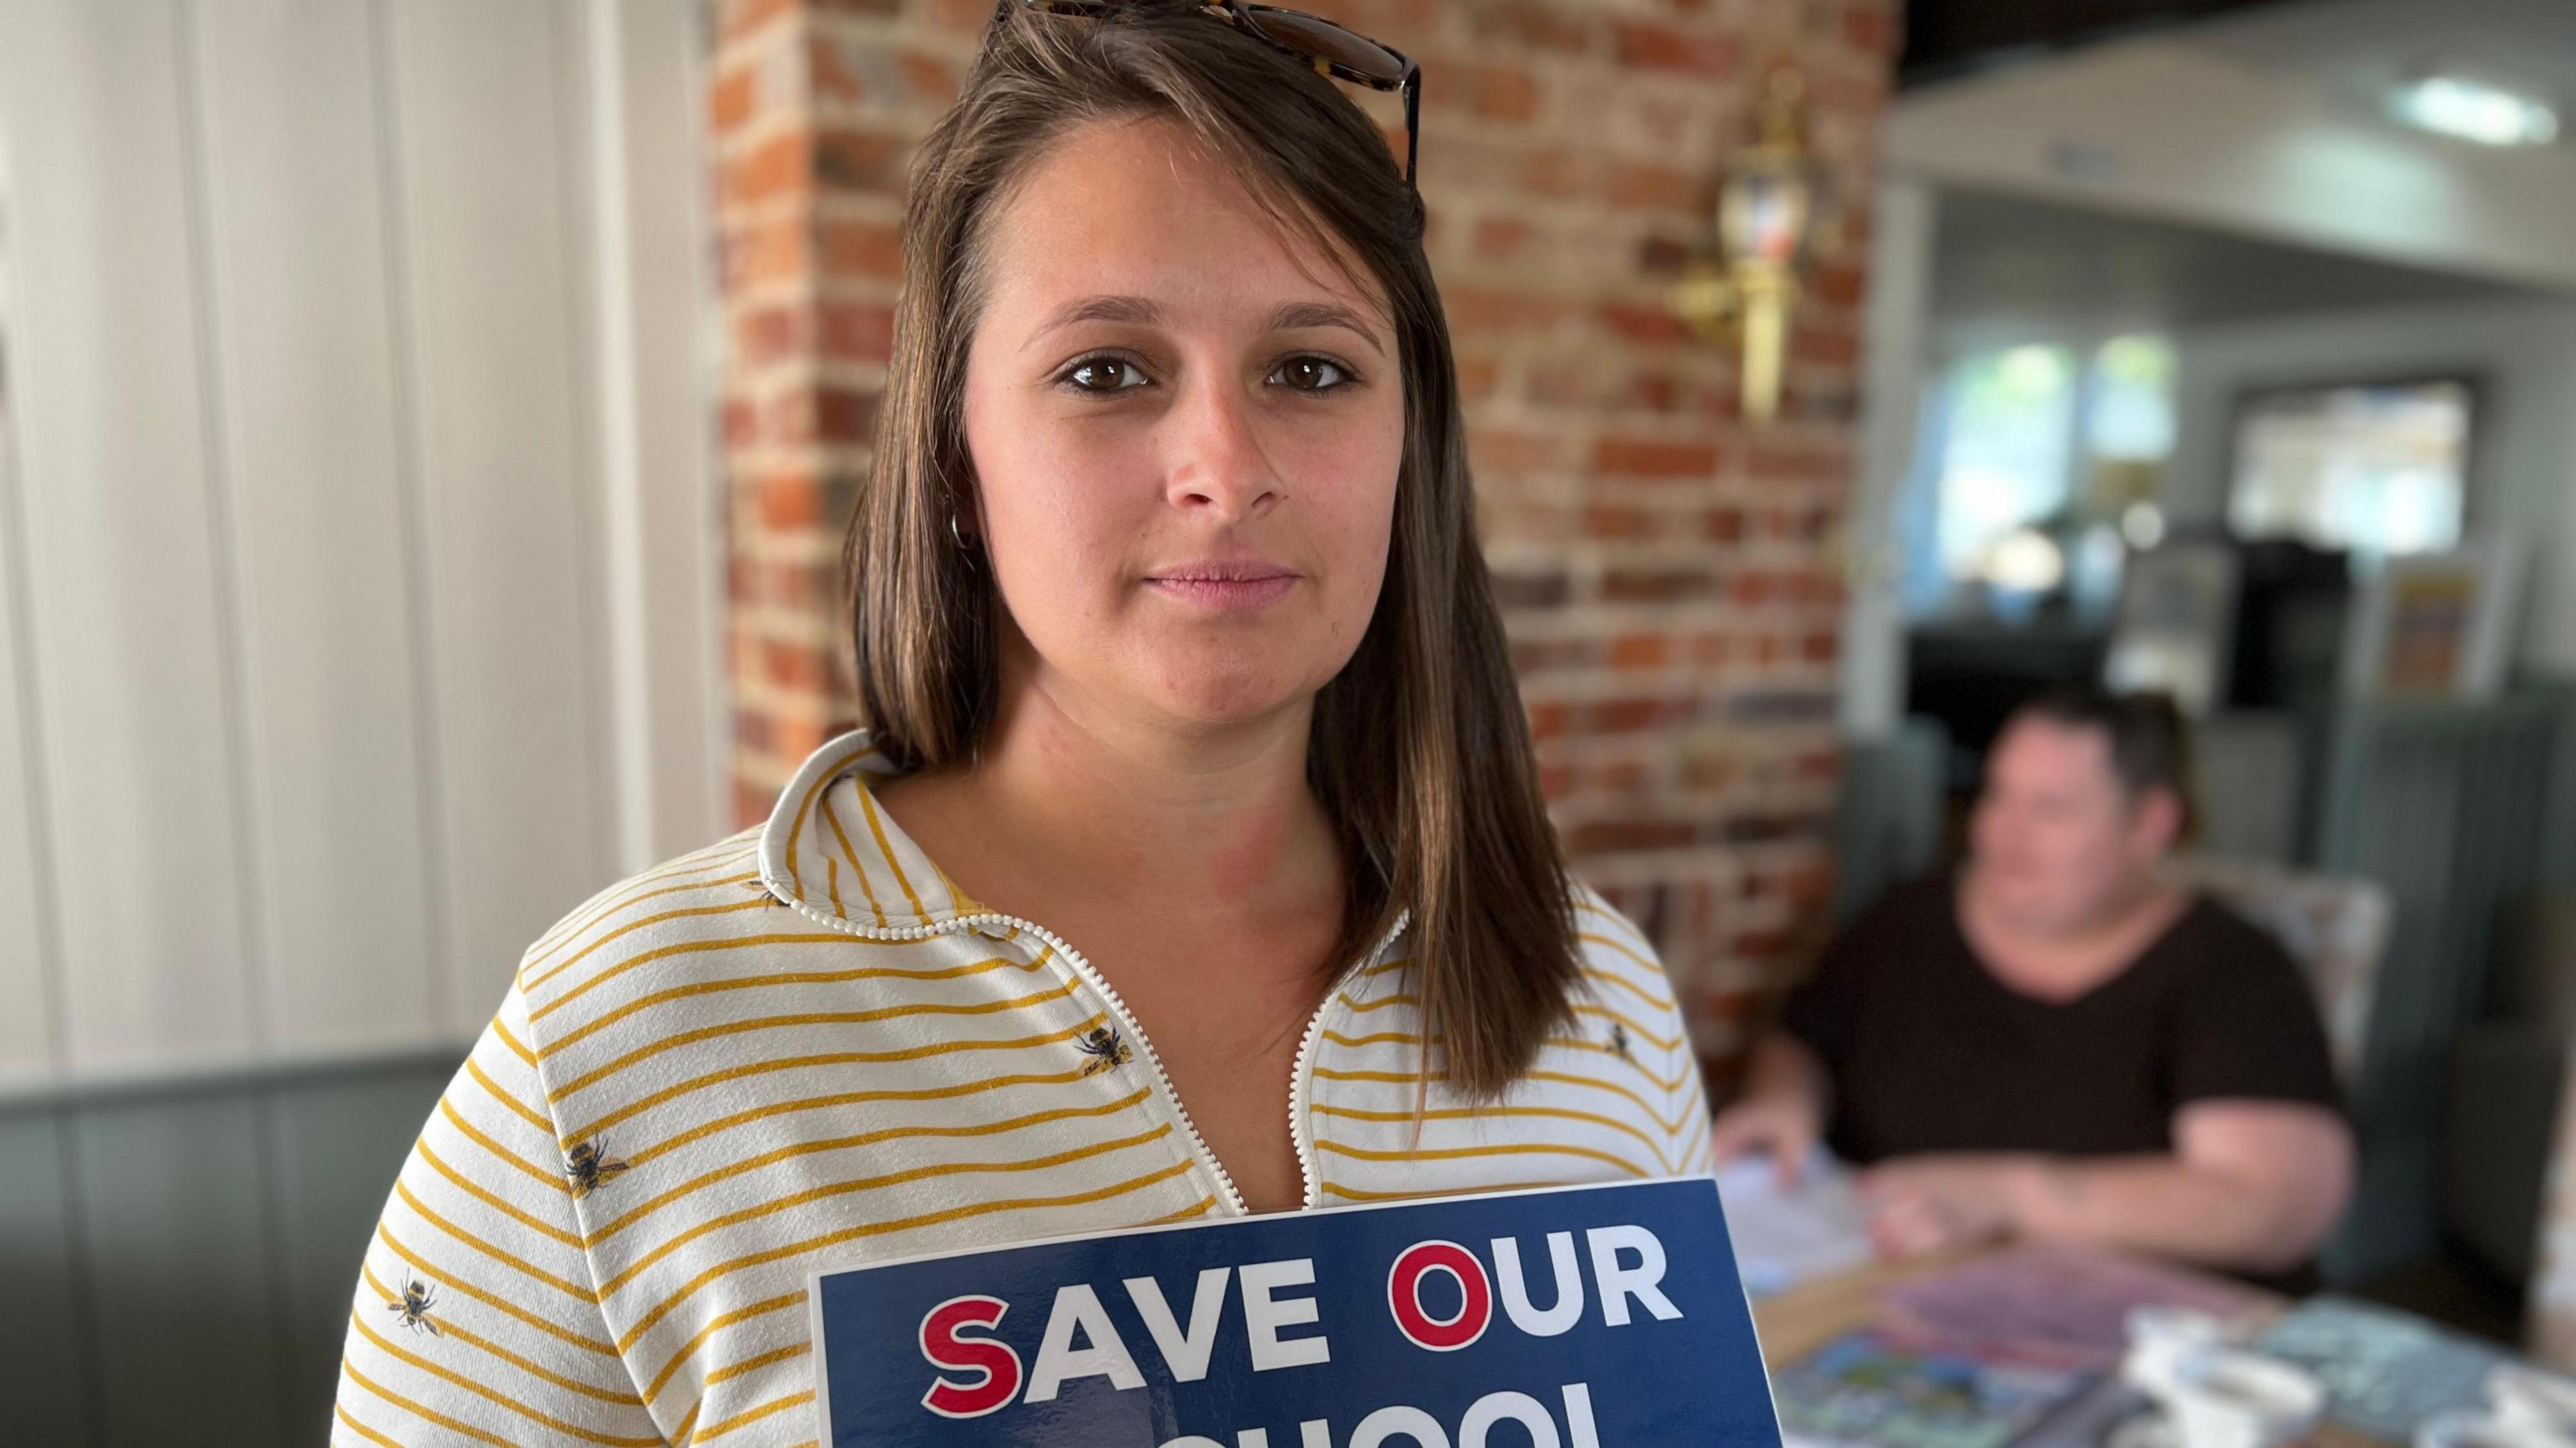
x=2067, y=1303
x=1785, y=1235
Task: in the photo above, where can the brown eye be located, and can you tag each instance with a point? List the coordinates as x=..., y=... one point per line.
x=1104, y=374
x=1312, y=374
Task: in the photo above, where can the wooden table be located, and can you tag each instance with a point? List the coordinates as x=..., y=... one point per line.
x=1794, y=1323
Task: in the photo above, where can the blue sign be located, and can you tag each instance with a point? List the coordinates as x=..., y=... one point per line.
x=1581, y=1317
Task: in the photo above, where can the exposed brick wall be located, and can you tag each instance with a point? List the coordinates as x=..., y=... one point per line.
x=1670, y=576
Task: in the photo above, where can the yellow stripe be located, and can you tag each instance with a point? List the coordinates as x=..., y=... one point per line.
x=727, y=1319
x=774, y=1405
x=848, y=1098
x=1646, y=963
x=825, y=1192
x=798, y=977
x=502, y=1305
x=1463, y=1153
x=832, y=877
x=507, y=1259
x=1654, y=1002
x=790, y=1152
x=1590, y=903
x=1486, y=1112
x=525, y=1365
x=755, y=1364
x=828, y=938
x=1668, y=1123
x=646, y=887
x=868, y=802
x=1408, y=1078
x=490, y=1199
x=518, y=1048
x=573, y=1430
x=1183, y=1215
x=688, y=1421
x=1635, y=1027
x=959, y=903
x=361, y=1429
x=448, y=1109
x=474, y=1068
x=419, y=1411
x=689, y=1288
x=1358, y=1195
x=1579, y=1044
x=796, y=830
x=810, y=1018
x=734, y=907
x=1400, y=998
x=832, y=817
x=1398, y=1038
x=832, y=1058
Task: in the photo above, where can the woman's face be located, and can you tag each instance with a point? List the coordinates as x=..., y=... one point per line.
x=1185, y=434
x=2059, y=840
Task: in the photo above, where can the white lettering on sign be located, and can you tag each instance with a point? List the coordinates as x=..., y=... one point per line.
x=1402, y=1423
x=1185, y=1349
x=1078, y=1309
x=1264, y=1315
x=1568, y=1309
x=1413, y=1423
x=1618, y=1283
x=1519, y=1408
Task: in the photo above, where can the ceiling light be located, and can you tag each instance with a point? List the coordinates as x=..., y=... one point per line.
x=2474, y=110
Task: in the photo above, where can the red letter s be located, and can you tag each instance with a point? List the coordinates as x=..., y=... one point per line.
x=996, y=1364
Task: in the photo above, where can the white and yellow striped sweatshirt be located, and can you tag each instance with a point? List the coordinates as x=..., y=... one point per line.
x=803, y=1047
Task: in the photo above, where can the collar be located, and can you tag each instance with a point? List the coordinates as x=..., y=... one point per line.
x=830, y=848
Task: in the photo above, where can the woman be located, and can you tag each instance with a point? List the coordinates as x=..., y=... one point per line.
x=2059, y=1045
x=1192, y=864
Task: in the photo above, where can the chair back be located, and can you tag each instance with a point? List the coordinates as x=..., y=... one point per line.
x=2335, y=927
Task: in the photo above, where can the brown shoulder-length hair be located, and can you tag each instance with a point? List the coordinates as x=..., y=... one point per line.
x=1419, y=750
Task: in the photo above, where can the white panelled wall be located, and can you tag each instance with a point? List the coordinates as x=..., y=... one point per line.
x=360, y=563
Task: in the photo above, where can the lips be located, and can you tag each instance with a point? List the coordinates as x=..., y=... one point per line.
x=1225, y=586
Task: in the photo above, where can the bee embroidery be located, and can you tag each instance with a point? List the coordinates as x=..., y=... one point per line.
x=1619, y=1040
x=590, y=1167
x=762, y=886
x=414, y=1305
x=1106, y=1050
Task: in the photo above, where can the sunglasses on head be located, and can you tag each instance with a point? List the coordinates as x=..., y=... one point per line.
x=1313, y=40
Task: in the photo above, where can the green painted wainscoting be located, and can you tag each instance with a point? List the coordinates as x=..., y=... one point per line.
x=177, y=1258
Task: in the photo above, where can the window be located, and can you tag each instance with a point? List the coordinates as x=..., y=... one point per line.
x=2376, y=469
x=2034, y=462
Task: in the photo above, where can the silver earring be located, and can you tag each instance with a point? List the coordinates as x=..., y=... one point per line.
x=957, y=537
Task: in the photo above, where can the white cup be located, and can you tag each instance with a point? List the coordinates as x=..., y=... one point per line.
x=2161, y=1339
x=2528, y=1406
x=2237, y=1399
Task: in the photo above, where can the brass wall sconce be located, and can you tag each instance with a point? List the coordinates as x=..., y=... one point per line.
x=1766, y=232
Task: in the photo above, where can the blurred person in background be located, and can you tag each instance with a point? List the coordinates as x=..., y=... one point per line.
x=2055, y=1044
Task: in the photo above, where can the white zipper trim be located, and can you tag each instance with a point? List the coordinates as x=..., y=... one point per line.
x=1090, y=976
x=1301, y=1074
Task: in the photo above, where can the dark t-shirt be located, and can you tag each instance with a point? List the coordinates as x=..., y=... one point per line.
x=1928, y=1051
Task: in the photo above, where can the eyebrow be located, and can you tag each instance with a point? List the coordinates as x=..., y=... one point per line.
x=1290, y=316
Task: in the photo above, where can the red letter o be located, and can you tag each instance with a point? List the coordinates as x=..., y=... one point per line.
x=1404, y=1296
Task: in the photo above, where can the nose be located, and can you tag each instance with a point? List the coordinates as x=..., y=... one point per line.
x=1214, y=457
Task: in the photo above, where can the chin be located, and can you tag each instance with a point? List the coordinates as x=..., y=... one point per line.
x=1232, y=690
x=2032, y=909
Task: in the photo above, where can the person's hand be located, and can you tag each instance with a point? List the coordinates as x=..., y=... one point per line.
x=1927, y=1204
x=1780, y=1126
